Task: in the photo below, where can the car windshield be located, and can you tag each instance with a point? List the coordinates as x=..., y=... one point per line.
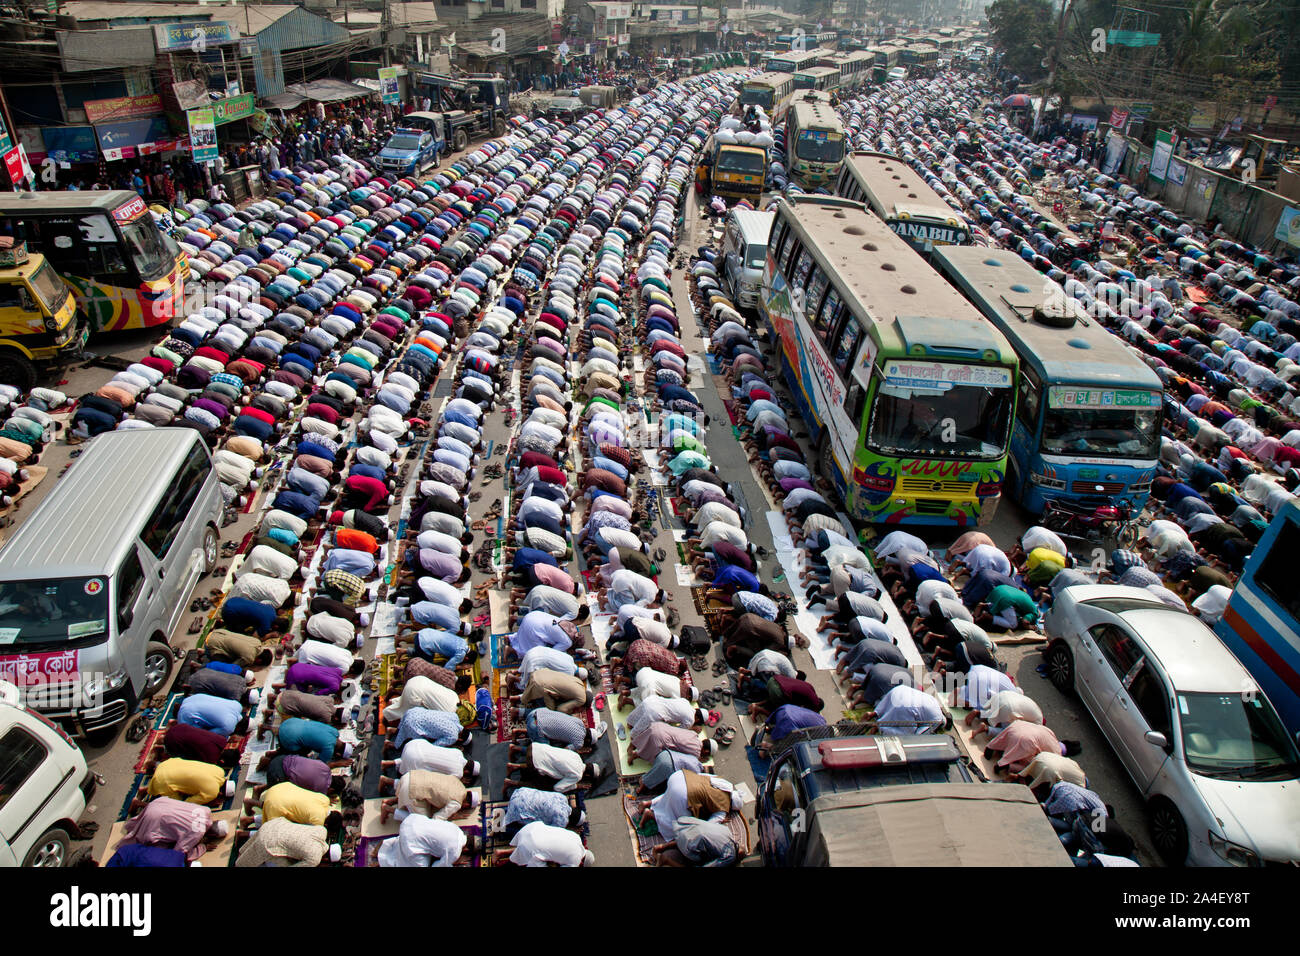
x=740, y=161
x=53, y=610
x=1235, y=736
x=145, y=246
x=1109, y=432
x=49, y=287
x=404, y=142
x=965, y=421
x=819, y=146
x=755, y=256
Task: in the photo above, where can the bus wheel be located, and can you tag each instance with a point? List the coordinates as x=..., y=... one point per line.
x=826, y=459
x=17, y=370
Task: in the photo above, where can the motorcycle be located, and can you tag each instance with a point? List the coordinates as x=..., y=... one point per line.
x=1108, y=523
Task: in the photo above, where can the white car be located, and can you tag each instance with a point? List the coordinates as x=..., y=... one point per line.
x=1220, y=775
x=44, y=786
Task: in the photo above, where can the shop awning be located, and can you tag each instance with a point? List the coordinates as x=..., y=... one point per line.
x=328, y=90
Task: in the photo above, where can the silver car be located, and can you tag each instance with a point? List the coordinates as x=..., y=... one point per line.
x=1220, y=775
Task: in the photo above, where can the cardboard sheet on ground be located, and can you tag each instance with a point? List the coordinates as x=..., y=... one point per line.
x=220, y=855
x=499, y=608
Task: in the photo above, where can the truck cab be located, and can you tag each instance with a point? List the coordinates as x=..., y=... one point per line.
x=408, y=151
x=39, y=321
x=896, y=801
x=738, y=172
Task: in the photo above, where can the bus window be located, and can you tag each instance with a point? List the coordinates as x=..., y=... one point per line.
x=781, y=242
x=965, y=420
x=1123, y=432
x=1027, y=406
x=803, y=265
x=815, y=288
x=828, y=316
x=856, y=401
x=847, y=347
x=1275, y=574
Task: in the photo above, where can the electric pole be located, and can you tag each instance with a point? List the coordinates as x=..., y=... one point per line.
x=1054, y=60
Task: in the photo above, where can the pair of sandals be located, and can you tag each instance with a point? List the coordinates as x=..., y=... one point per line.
x=725, y=734
x=719, y=695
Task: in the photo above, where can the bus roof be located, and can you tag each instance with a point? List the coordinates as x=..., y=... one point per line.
x=1007, y=289
x=898, y=189
x=813, y=113
x=913, y=301
x=88, y=521
x=16, y=204
x=816, y=71
x=769, y=78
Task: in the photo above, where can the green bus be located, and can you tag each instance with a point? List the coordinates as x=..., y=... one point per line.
x=814, y=140
x=906, y=388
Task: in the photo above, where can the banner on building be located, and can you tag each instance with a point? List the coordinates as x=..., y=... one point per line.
x=389, y=92
x=1201, y=118
x=1118, y=118
x=1162, y=153
x=233, y=108
x=6, y=142
x=122, y=107
x=1288, y=226
x=169, y=37
x=70, y=144
x=191, y=94
x=121, y=138
x=1177, y=172
x=203, y=135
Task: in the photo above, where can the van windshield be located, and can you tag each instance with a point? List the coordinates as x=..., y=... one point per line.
x=50, y=288
x=52, y=610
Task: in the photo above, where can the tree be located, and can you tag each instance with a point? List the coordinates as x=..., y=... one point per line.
x=1024, y=30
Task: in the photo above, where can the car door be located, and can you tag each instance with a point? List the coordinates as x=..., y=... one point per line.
x=1140, y=705
x=1108, y=654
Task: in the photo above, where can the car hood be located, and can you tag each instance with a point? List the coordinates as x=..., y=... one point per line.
x=1261, y=815
x=397, y=153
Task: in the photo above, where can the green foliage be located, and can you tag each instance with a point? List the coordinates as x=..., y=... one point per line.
x=1024, y=30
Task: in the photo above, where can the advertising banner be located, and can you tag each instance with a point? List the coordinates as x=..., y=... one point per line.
x=203, y=135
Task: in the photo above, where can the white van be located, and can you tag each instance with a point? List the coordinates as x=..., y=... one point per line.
x=44, y=786
x=744, y=253
x=93, y=583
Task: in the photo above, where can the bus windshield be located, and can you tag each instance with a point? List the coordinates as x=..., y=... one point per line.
x=1111, y=432
x=145, y=247
x=820, y=146
x=965, y=421
x=49, y=287
x=758, y=96
x=740, y=161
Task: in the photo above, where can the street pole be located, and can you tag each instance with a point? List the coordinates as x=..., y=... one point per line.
x=1055, y=60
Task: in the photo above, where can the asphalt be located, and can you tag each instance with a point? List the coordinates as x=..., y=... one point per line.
x=609, y=837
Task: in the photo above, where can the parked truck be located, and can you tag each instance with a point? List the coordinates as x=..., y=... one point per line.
x=896, y=801
x=475, y=105
x=40, y=323
x=733, y=171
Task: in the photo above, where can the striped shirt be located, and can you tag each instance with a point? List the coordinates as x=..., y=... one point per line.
x=552, y=726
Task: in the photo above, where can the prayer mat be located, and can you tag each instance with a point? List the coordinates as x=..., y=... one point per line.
x=603, y=755
x=974, y=748
x=1016, y=638
x=733, y=411
x=646, y=837
x=222, y=854
x=493, y=757
x=35, y=475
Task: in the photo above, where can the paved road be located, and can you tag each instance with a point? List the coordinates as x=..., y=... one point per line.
x=609, y=837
